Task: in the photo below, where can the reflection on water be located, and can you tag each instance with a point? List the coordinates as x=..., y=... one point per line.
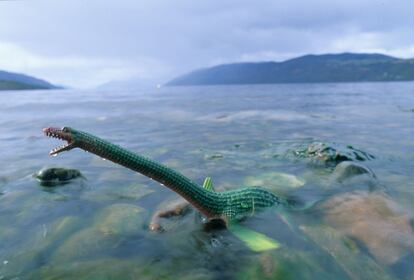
x=359, y=227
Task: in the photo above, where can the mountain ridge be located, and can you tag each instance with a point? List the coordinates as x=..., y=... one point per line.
x=343, y=67
x=18, y=81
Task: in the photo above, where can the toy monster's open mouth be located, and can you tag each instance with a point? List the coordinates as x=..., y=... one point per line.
x=61, y=134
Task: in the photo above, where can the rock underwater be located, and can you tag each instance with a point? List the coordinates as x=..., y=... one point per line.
x=375, y=220
x=54, y=176
x=331, y=154
x=349, y=169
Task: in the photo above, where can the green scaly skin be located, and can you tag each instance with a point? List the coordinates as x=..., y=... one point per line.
x=228, y=205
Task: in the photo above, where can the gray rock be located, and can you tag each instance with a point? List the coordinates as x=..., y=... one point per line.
x=346, y=253
x=49, y=177
x=275, y=181
x=374, y=219
x=331, y=154
x=349, y=169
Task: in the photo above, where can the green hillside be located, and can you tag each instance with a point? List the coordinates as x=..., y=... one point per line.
x=15, y=81
x=346, y=67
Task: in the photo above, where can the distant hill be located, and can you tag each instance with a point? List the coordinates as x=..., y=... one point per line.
x=129, y=84
x=345, y=67
x=15, y=81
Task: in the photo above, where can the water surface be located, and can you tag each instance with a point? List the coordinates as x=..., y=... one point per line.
x=97, y=228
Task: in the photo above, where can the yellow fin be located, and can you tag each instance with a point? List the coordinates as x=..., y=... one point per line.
x=256, y=241
x=208, y=184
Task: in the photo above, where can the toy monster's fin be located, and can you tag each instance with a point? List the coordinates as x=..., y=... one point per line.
x=256, y=241
x=208, y=184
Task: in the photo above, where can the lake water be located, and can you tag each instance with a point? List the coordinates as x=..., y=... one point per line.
x=97, y=228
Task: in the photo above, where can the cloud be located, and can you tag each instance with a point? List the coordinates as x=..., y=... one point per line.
x=86, y=42
x=371, y=42
x=77, y=71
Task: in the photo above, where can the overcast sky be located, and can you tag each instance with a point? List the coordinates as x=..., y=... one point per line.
x=84, y=43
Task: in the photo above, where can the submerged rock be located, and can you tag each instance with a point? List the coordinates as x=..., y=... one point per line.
x=348, y=169
x=62, y=227
x=56, y=176
x=116, y=268
x=112, y=224
x=25, y=250
x=82, y=244
x=109, y=268
x=275, y=181
x=115, y=192
x=331, y=154
x=345, y=251
x=373, y=219
x=120, y=219
x=7, y=233
x=177, y=208
x=288, y=263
